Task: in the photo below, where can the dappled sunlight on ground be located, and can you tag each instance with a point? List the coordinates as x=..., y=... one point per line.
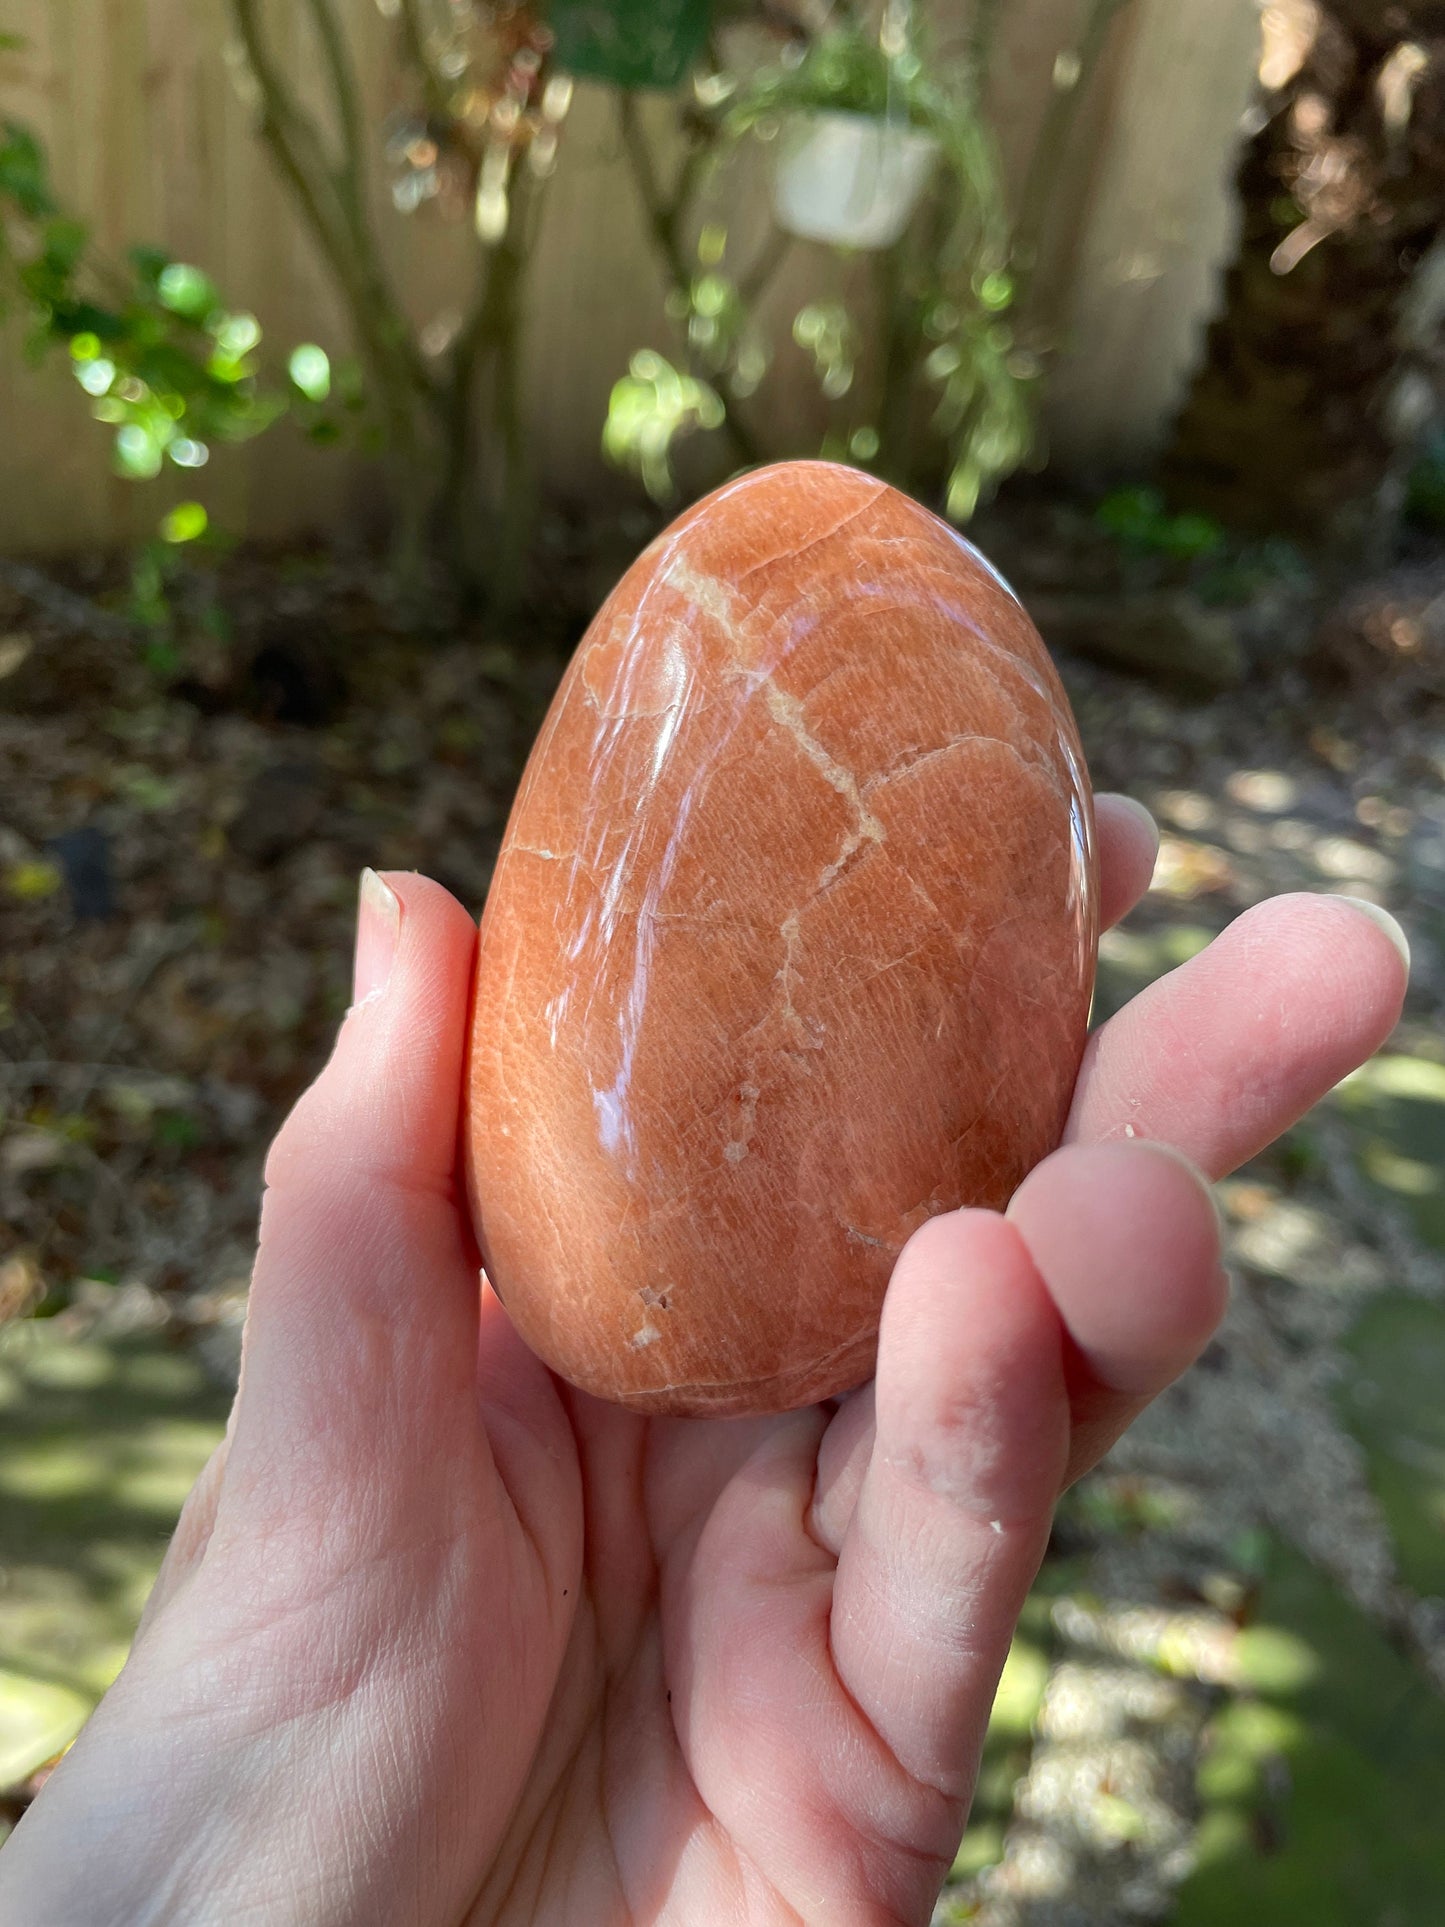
x=1246, y=1605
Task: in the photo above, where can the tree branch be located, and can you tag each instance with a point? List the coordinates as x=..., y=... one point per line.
x=434, y=85
x=343, y=88
x=338, y=220
x=334, y=206
x=982, y=32
x=664, y=219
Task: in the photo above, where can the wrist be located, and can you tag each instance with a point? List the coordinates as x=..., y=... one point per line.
x=129, y=1830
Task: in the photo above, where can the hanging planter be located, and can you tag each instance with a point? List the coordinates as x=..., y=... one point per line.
x=861, y=132
x=629, y=43
x=852, y=180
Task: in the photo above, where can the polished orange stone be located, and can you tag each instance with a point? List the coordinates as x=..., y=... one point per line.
x=789, y=947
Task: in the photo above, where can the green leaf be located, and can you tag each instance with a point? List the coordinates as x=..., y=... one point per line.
x=138, y=454
x=187, y=522
x=236, y=335
x=64, y=241
x=310, y=371
x=12, y=43
x=1131, y=512
x=23, y=172
x=350, y=383
x=186, y=291
x=149, y=263
x=96, y=375
x=1187, y=536
x=630, y=43
x=177, y=1131
x=650, y=408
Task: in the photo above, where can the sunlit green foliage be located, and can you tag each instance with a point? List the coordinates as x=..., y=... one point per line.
x=651, y=407
x=943, y=307
x=163, y=360
x=1391, y=1402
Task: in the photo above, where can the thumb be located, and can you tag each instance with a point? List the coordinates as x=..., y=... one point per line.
x=387, y=1104
x=361, y=1326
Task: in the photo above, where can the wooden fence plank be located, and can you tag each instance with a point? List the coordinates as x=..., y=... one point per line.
x=1159, y=227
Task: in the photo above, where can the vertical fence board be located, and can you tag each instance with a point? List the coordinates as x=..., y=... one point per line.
x=1160, y=225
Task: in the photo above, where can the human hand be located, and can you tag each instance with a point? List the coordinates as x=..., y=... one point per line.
x=441, y=1640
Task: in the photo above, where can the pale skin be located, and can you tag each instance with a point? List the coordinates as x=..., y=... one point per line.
x=442, y=1641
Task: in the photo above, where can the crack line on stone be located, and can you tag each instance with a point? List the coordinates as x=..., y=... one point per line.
x=787, y=712
x=862, y=1237
x=911, y=759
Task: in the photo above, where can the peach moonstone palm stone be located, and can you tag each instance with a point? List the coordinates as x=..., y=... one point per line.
x=790, y=946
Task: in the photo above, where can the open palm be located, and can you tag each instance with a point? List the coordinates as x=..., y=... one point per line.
x=441, y=1640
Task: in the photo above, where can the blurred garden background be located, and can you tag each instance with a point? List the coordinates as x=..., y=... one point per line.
x=349, y=350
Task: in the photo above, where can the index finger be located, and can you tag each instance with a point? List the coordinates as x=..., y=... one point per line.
x=1226, y=1052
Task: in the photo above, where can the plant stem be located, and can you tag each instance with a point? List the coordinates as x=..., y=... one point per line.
x=333, y=204
x=897, y=361
x=515, y=520
x=492, y=331
x=982, y=32
x=665, y=219
x=434, y=86
x=343, y=88
x=662, y=215
x=338, y=220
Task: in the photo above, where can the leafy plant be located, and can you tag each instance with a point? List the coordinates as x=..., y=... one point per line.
x=1140, y=519
x=164, y=361
x=651, y=407
x=174, y=370
x=949, y=312
x=846, y=71
x=473, y=144
x=631, y=43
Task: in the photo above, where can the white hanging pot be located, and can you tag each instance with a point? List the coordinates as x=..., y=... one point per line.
x=852, y=180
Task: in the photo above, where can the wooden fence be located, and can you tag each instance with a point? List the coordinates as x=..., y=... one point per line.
x=151, y=140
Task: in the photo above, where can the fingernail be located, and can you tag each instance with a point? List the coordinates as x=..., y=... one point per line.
x=1383, y=921
x=378, y=929
x=1200, y=1177
x=1138, y=809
